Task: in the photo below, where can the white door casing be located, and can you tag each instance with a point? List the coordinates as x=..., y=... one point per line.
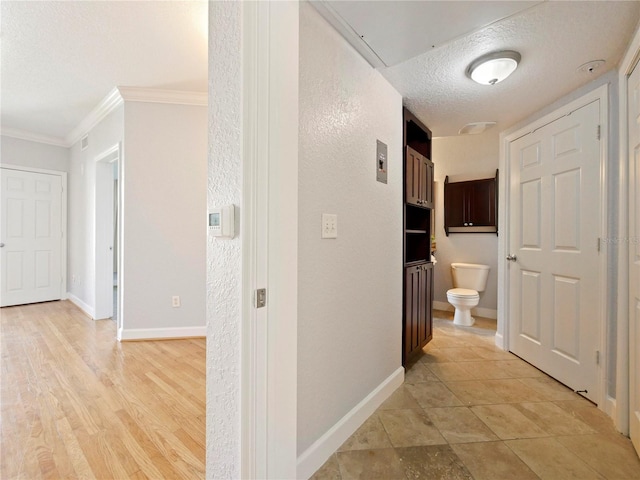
x=555, y=218
x=32, y=233
x=634, y=255
x=103, y=218
x=269, y=228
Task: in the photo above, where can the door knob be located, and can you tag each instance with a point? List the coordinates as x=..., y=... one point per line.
x=512, y=258
x=1, y=245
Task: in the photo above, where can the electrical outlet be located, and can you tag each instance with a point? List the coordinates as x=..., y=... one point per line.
x=329, y=225
x=73, y=279
x=175, y=301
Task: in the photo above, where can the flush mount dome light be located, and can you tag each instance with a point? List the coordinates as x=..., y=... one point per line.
x=493, y=67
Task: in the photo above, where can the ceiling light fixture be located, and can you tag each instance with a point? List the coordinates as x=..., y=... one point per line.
x=493, y=67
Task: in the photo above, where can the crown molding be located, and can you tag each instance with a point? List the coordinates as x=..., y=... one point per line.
x=33, y=137
x=155, y=95
x=112, y=101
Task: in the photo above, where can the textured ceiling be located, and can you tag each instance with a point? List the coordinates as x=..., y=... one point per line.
x=60, y=59
x=398, y=30
x=554, y=38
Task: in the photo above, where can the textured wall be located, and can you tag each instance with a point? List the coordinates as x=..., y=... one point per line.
x=81, y=202
x=15, y=151
x=350, y=289
x=466, y=157
x=164, y=215
x=224, y=256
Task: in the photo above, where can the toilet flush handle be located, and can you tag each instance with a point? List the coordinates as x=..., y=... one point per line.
x=512, y=258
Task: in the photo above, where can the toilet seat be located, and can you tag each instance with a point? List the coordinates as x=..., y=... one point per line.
x=462, y=293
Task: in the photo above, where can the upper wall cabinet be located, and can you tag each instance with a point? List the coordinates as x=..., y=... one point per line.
x=419, y=178
x=419, y=168
x=472, y=206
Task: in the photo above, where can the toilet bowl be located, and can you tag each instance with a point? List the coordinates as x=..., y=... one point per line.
x=469, y=279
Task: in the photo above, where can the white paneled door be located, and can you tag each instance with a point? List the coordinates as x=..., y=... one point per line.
x=31, y=237
x=553, y=264
x=634, y=256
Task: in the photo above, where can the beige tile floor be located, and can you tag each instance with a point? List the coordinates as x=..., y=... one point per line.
x=468, y=410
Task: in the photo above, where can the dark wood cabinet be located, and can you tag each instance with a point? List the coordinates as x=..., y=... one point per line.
x=418, y=210
x=418, y=307
x=419, y=180
x=471, y=206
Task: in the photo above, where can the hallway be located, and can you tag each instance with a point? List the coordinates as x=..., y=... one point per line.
x=468, y=410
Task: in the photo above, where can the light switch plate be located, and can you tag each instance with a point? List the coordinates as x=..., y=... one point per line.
x=329, y=225
x=381, y=162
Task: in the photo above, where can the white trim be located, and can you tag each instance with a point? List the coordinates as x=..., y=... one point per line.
x=342, y=26
x=600, y=94
x=112, y=101
x=155, y=95
x=103, y=236
x=33, y=137
x=63, y=206
x=611, y=407
x=314, y=457
x=81, y=305
x=269, y=222
x=479, y=311
x=621, y=413
x=253, y=218
x=161, y=333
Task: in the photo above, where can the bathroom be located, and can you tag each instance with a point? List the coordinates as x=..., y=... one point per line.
x=461, y=158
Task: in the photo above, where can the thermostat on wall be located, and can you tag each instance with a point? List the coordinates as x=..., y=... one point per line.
x=221, y=221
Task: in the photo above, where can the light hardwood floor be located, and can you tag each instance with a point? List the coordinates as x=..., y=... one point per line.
x=75, y=403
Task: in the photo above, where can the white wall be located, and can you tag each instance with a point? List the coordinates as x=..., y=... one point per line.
x=465, y=157
x=350, y=288
x=24, y=153
x=224, y=258
x=164, y=178
x=81, y=201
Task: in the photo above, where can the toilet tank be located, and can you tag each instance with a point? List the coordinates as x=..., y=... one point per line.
x=470, y=275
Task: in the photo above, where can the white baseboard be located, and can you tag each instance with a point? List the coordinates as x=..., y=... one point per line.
x=500, y=341
x=314, y=457
x=610, y=407
x=479, y=311
x=81, y=305
x=161, y=333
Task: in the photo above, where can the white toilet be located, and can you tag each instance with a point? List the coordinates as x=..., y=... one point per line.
x=468, y=280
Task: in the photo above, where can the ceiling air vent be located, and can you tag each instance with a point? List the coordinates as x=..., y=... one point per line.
x=84, y=142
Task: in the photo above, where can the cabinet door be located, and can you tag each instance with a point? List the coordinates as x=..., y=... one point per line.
x=426, y=179
x=418, y=307
x=413, y=301
x=414, y=165
x=454, y=205
x=481, y=204
x=428, y=313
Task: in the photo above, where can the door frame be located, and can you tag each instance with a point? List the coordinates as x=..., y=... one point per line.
x=626, y=349
x=63, y=243
x=502, y=335
x=103, y=285
x=269, y=231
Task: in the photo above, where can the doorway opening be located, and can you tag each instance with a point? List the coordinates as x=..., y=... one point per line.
x=107, y=236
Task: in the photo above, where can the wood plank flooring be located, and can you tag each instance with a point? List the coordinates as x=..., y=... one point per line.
x=75, y=403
